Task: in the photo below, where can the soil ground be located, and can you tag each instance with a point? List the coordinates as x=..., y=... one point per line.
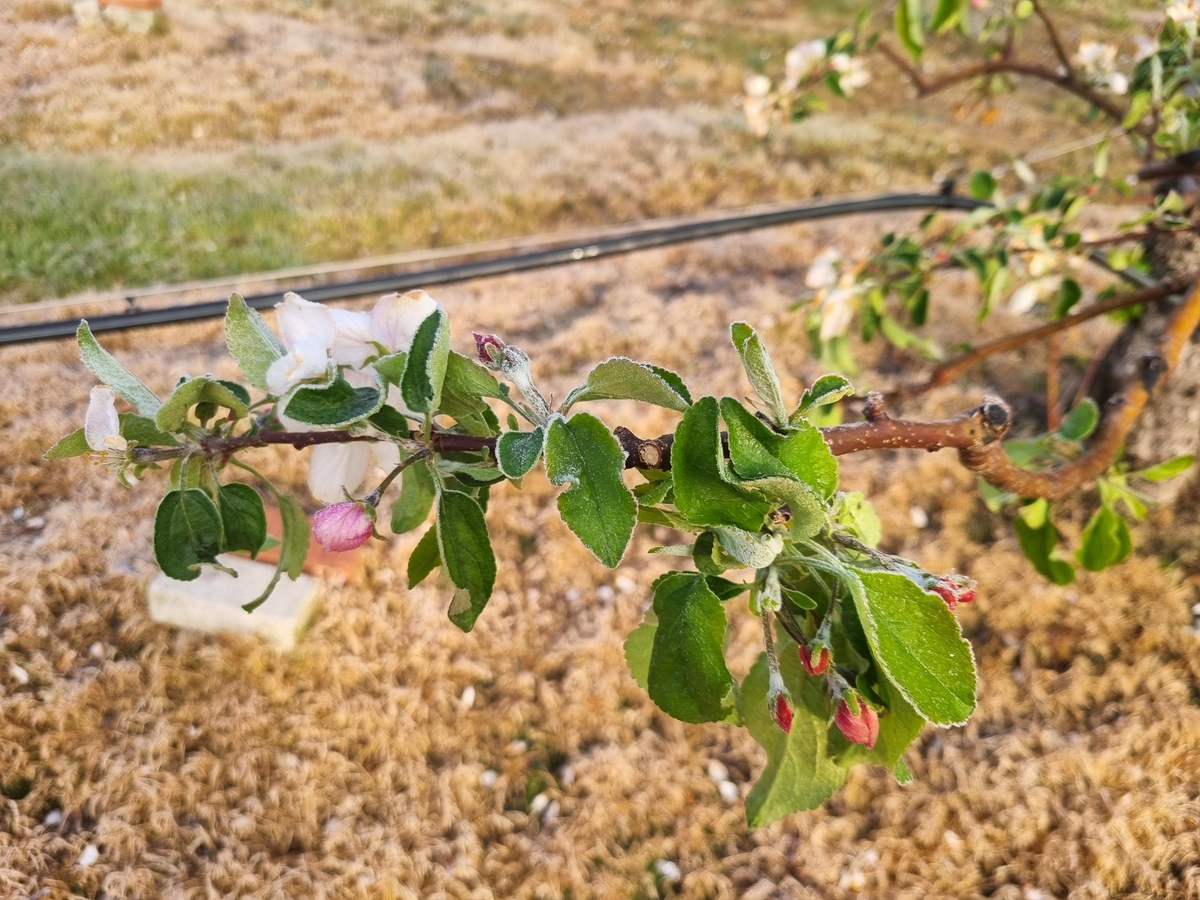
x=214, y=766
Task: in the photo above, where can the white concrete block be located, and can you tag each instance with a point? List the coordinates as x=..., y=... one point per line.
x=213, y=602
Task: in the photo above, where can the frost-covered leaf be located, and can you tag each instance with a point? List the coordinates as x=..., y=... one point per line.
x=760, y=371
x=250, y=341
x=471, y=379
x=915, y=639
x=687, y=676
x=428, y=359
x=133, y=428
x=187, y=532
x=702, y=492
x=624, y=379
x=466, y=552
x=336, y=406
x=758, y=452
x=293, y=546
x=416, y=498
x=243, y=518
x=826, y=390
x=192, y=391
x=424, y=559
x=582, y=453
x=517, y=451
x=123, y=382
x=754, y=550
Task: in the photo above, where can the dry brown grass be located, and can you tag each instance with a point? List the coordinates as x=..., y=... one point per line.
x=216, y=767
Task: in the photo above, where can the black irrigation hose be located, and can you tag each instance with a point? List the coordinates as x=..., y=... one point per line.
x=713, y=226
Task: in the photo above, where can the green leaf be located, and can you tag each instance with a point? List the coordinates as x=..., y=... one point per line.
x=416, y=498
x=825, y=391
x=982, y=185
x=471, y=379
x=799, y=773
x=624, y=379
x=856, y=513
x=581, y=452
x=466, y=551
x=391, y=367
x=293, y=546
x=638, y=648
x=243, y=518
x=517, y=451
x=203, y=389
x=687, y=676
x=187, y=532
x=1037, y=536
x=1069, y=293
x=948, y=14
x=250, y=341
x=916, y=641
x=702, y=493
x=116, y=376
x=424, y=559
x=908, y=27
x=1105, y=541
x=1080, y=421
x=1169, y=469
x=74, y=444
x=653, y=492
x=754, y=550
x=335, y=406
x=758, y=452
x=760, y=371
x=428, y=360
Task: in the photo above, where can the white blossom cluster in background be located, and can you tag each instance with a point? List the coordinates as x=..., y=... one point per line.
x=836, y=293
x=806, y=62
x=1098, y=64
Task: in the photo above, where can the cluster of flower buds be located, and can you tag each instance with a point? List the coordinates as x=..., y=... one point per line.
x=344, y=526
x=954, y=589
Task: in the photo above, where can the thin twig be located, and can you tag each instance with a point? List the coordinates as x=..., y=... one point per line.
x=1052, y=32
x=1052, y=364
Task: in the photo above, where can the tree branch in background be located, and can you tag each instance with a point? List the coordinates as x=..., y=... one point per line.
x=1067, y=82
x=1052, y=32
x=952, y=369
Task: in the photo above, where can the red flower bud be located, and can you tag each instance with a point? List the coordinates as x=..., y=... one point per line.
x=953, y=589
x=343, y=526
x=820, y=667
x=490, y=349
x=781, y=710
x=861, y=728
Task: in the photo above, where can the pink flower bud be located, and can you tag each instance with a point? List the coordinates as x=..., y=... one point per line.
x=781, y=710
x=343, y=526
x=490, y=349
x=861, y=727
x=821, y=666
x=954, y=589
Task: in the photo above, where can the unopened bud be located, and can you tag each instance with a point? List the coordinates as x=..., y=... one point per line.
x=490, y=349
x=820, y=665
x=861, y=727
x=781, y=709
x=343, y=526
x=953, y=589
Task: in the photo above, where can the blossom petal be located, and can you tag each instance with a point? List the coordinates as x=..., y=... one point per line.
x=352, y=345
x=307, y=359
x=301, y=320
x=337, y=469
x=101, y=425
x=396, y=318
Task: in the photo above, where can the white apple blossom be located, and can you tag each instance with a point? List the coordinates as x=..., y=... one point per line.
x=308, y=331
x=1098, y=63
x=757, y=86
x=1183, y=11
x=803, y=58
x=851, y=70
x=101, y=426
x=1027, y=296
x=837, y=311
x=824, y=269
x=339, y=469
x=1146, y=47
x=396, y=318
